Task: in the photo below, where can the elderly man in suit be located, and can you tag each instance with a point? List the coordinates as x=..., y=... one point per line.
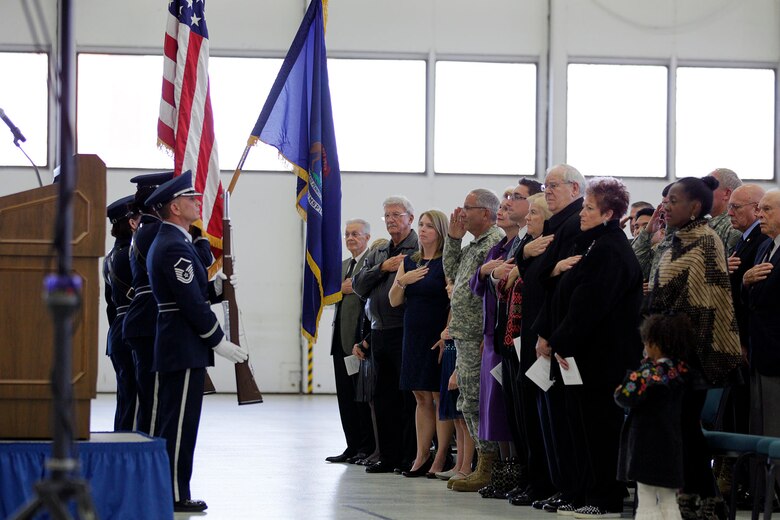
x=743, y=211
x=355, y=417
x=762, y=285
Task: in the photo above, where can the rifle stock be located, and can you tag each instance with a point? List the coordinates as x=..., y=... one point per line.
x=208, y=386
x=246, y=387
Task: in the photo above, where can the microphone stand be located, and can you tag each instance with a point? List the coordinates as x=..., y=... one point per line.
x=37, y=173
x=63, y=296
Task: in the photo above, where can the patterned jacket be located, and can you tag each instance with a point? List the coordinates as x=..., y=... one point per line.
x=692, y=278
x=460, y=265
x=650, y=445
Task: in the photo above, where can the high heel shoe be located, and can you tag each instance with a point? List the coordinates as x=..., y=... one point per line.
x=422, y=470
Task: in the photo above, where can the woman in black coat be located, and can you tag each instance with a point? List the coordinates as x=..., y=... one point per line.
x=594, y=318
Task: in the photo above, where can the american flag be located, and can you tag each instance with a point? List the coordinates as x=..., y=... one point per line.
x=186, y=124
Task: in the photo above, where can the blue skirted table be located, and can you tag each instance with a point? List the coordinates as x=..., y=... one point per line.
x=128, y=474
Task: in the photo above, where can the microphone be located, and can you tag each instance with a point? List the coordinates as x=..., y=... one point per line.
x=17, y=133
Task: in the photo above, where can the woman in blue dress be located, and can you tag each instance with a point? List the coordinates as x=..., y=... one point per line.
x=420, y=284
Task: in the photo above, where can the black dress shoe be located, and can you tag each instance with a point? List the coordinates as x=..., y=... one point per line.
x=516, y=491
x=344, y=457
x=539, y=504
x=189, y=506
x=355, y=458
x=399, y=470
x=422, y=470
x=552, y=506
x=379, y=467
x=522, y=499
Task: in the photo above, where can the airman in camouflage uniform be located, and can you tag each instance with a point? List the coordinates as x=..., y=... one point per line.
x=478, y=217
x=728, y=181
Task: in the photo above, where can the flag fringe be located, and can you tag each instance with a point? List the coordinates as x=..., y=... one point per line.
x=165, y=147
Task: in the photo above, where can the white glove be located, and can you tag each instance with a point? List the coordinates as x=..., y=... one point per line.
x=219, y=280
x=231, y=351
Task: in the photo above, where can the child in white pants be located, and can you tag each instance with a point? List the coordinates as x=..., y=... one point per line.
x=650, y=443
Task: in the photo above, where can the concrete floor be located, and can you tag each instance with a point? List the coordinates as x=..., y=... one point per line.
x=267, y=461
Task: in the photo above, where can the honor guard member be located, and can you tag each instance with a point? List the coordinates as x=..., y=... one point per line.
x=141, y=318
x=119, y=293
x=139, y=327
x=188, y=332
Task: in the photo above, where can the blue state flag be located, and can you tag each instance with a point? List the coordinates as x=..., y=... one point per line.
x=297, y=120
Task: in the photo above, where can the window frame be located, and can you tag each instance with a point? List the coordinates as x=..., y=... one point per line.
x=672, y=65
x=47, y=52
x=713, y=64
x=540, y=111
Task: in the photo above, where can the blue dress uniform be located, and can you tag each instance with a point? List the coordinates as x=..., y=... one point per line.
x=141, y=318
x=118, y=293
x=187, y=331
x=140, y=323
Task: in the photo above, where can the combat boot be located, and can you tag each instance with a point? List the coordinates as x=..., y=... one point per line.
x=480, y=477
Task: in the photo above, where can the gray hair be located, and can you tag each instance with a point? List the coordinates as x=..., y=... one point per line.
x=488, y=200
x=399, y=200
x=570, y=174
x=727, y=178
x=538, y=200
x=366, y=225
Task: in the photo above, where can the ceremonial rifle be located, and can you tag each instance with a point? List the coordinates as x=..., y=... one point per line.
x=246, y=388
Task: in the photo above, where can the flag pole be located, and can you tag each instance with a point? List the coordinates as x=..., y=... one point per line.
x=234, y=180
x=217, y=265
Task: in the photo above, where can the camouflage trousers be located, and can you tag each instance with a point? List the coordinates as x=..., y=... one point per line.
x=468, y=363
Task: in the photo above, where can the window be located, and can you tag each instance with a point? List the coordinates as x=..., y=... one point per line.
x=616, y=120
x=239, y=88
x=379, y=114
x=725, y=118
x=378, y=106
x=118, y=106
x=485, y=118
x=119, y=101
x=25, y=101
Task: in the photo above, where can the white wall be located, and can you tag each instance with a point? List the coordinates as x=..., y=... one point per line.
x=268, y=231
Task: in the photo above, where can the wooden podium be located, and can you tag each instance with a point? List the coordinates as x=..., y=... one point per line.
x=27, y=221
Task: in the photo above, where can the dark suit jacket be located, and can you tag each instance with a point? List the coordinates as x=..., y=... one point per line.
x=746, y=252
x=763, y=306
x=347, y=315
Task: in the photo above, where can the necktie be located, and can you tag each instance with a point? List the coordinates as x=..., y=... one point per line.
x=351, y=268
x=739, y=244
x=769, y=252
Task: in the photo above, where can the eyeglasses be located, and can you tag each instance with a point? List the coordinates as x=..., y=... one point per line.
x=554, y=185
x=517, y=196
x=473, y=207
x=734, y=207
x=354, y=234
x=393, y=216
